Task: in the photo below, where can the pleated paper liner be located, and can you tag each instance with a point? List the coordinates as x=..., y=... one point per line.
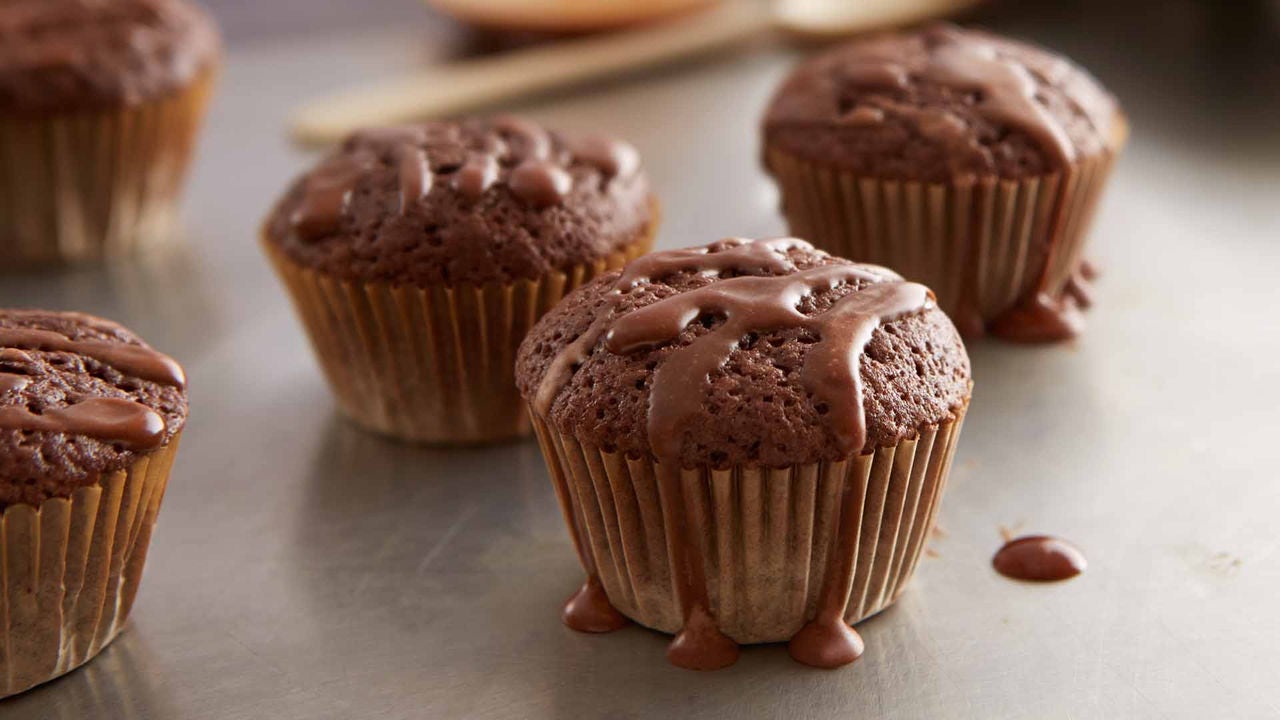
x=429, y=364
x=982, y=247
x=766, y=536
x=71, y=570
x=81, y=186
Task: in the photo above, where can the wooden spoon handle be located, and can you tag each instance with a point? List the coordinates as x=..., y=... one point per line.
x=456, y=87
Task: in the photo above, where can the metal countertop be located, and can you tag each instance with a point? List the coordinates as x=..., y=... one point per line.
x=304, y=569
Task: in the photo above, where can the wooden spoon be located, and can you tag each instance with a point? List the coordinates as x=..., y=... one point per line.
x=456, y=87
x=564, y=16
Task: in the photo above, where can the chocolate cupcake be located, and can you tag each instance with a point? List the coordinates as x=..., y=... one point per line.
x=749, y=441
x=90, y=418
x=419, y=256
x=967, y=161
x=100, y=104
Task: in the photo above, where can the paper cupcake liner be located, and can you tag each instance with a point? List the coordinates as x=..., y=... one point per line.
x=768, y=539
x=71, y=569
x=429, y=364
x=983, y=247
x=80, y=186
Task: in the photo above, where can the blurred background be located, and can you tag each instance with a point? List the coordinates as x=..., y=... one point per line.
x=1206, y=67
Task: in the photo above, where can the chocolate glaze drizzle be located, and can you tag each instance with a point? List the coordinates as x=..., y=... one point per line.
x=1003, y=87
x=1006, y=89
x=326, y=195
x=519, y=155
x=129, y=423
x=10, y=382
x=137, y=360
x=613, y=158
x=757, y=304
x=415, y=178
x=744, y=305
x=118, y=420
x=540, y=183
x=477, y=175
x=1039, y=558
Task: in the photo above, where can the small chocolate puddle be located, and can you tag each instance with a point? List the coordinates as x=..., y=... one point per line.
x=1039, y=558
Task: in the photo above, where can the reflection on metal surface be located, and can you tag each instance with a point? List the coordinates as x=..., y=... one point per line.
x=303, y=569
x=113, y=685
x=165, y=292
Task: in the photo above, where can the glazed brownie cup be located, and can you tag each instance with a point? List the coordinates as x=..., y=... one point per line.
x=967, y=161
x=419, y=256
x=90, y=418
x=749, y=441
x=100, y=104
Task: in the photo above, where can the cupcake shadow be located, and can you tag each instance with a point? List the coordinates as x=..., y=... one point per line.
x=1037, y=434
x=416, y=557
x=436, y=570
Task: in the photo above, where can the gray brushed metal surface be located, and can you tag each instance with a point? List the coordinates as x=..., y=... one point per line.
x=304, y=569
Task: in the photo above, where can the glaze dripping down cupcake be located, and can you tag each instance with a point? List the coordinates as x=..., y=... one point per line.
x=695, y=371
x=967, y=160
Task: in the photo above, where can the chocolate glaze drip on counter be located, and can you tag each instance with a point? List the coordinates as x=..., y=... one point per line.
x=1044, y=318
x=1039, y=558
x=738, y=307
x=514, y=154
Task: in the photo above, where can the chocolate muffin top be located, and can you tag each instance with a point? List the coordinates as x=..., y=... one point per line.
x=84, y=54
x=939, y=104
x=470, y=202
x=79, y=396
x=765, y=353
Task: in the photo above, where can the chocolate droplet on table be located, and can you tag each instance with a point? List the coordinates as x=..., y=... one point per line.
x=1039, y=558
